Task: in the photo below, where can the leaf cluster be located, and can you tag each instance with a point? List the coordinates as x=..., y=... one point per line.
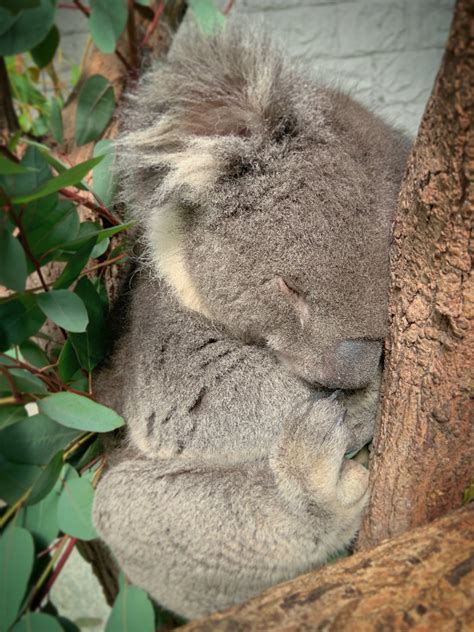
x=54, y=308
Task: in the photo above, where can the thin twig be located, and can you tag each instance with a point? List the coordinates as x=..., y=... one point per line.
x=132, y=36
x=100, y=209
x=75, y=445
x=85, y=10
x=226, y=10
x=11, y=383
x=27, y=249
x=14, y=508
x=160, y=7
x=59, y=567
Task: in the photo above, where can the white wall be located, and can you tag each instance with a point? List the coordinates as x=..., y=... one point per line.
x=386, y=52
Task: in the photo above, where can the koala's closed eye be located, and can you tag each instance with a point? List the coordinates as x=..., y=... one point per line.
x=296, y=296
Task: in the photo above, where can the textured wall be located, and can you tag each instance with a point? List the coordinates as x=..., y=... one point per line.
x=386, y=52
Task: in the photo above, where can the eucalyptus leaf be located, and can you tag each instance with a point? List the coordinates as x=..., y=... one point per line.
x=25, y=382
x=104, y=182
x=65, y=309
x=132, y=610
x=107, y=22
x=75, y=265
x=91, y=346
x=95, y=106
x=10, y=415
x=20, y=318
x=33, y=354
x=56, y=121
x=68, y=364
x=35, y=440
x=208, y=16
x=44, y=52
x=23, y=31
x=13, y=269
x=41, y=519
x=75, y=509
x=76, y=411
x=8, y=167
x=47, y=479
x=65, y=179
x=15, y=6
x=16, y=480
x=37, y=622
x=16, y=564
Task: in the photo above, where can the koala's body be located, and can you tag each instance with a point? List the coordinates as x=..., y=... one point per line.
x=265, y=203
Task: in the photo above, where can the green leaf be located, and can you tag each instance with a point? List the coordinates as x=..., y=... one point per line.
x=104, y=182
x=13, y=269
x=49, y=227
x=41, y=519
x=91, y=346
x=64, y=308
x=68, y=363
x=103, y=233
x=75, y=265
x=75, y=411
x=132, y=610
x=95, y=106
x=47, y=479
x=37, y=172
x=15, y=6
x=16, y=480
x=44, y=52
x=100, y=248
x=35, y=440
x=33, y=354
x=65, y=179
x=25, y=382
x=75, y=509
x=208, y=16
x=56, y=121
x=16, y=563
x=25, y=30
x=107, y=22
x=37, y=622
x=10, y=415
x=20, y=319
x=8, y=167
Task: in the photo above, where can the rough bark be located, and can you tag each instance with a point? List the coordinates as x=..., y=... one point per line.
x=423, y=580
x=424, y=450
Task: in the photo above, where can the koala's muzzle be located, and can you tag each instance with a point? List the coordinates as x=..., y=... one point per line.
x=351, y=364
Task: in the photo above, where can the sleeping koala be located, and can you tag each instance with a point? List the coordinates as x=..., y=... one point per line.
x=265, y=203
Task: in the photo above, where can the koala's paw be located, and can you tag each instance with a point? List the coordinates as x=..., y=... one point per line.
x=309, y=460
x=362, y=408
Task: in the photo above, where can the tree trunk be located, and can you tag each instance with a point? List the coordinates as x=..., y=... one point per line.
x=424, y=449
x=422, y=580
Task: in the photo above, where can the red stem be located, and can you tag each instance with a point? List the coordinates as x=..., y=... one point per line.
x=226, y=10
x=59, y=567
x=154, y=23
x=100, y=209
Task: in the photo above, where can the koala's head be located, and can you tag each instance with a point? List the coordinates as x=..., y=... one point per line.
x=266, y=202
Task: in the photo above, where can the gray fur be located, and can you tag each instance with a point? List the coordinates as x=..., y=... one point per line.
x=265, y=203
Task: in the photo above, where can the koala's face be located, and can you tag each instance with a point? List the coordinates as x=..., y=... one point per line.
x=296, y=257
x=266, y=202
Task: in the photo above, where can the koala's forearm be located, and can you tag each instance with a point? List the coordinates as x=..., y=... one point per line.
x=200, y=394
x=202, y=537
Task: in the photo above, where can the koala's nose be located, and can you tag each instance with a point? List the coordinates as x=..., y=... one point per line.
x=353, y=364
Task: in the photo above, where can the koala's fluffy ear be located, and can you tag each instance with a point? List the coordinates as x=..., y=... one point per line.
x=212, y=102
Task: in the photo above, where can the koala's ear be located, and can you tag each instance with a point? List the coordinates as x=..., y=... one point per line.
x=214, y=100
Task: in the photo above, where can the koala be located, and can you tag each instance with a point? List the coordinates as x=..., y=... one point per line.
x=248, y=364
